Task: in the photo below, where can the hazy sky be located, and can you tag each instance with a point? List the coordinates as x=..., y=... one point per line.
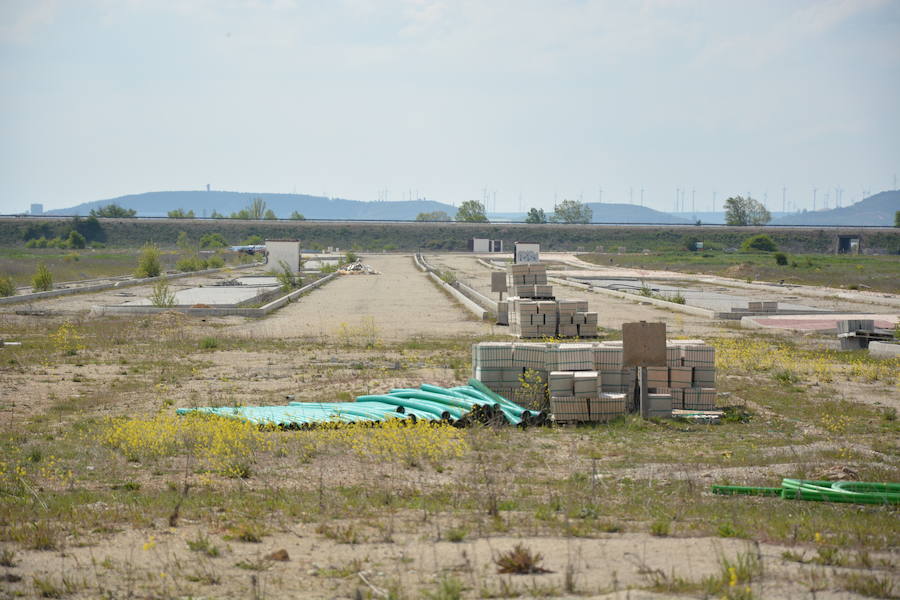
x=529, y=98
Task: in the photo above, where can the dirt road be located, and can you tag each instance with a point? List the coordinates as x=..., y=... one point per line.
x=400, y=303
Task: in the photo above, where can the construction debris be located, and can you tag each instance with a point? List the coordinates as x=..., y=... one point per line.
x=357, y=268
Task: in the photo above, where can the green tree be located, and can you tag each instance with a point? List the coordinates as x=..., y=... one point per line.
x=183, y=242
x=243, y=214
x=179, y=213
x=216, y=215
x=257, y=208
x=536, y=216
x=253, y=240
x=437, y=215
x=113, y=211
x=270, y=215
x=42, y=280
x=296, y=216
x=471, y=211
x=897, y=219
x=572, y=211
x=76, y=240
x=212, y=240
x=745, y=211
x=148, y=262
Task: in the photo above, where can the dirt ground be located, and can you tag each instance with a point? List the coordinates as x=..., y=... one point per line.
x=400, y=302
x=365, y=334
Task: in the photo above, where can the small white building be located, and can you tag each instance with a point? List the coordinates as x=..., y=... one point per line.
x=287, y=251
x=527, y=252
x=485, y=245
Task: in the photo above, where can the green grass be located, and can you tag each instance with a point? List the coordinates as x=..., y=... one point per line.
x=880, y=273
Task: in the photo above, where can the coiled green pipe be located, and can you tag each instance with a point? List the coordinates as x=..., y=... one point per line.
x=855, y=492
x=439, y=410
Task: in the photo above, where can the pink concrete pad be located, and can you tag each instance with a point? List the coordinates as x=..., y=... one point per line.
x=817, y=322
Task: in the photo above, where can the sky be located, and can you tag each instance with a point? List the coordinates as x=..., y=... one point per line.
x=522, y=102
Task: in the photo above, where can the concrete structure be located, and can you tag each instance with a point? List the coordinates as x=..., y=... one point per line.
x=527, y=252
x=485, y=245
x=37, y=209
x=287, y=251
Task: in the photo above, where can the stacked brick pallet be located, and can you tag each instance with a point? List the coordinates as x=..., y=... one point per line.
x=533, y=312
x=689, y=377
x=587, y=382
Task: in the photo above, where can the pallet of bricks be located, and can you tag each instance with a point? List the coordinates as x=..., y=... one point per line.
x=687, y=382
x=534, y=312
x=584, y=382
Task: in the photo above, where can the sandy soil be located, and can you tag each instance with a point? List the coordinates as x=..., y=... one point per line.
x=318, y=567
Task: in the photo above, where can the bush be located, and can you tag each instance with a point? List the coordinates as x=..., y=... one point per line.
x=286, y=277
x=215, y=262
x=6, y=287
x=162, y=296
x=253, y=240
x=691, y=244
x=781, y=258
x=148, y=263
x=191, y=263
x=212, y=240
x=76, y=240
x=760, y=243
x=42, y=281
x=97, y=245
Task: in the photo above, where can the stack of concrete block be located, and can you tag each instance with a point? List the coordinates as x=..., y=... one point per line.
x=689, y=378
x=762, y=307
x=575, y=383
x=533, y=312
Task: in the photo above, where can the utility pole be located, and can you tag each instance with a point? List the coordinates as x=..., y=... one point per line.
x=642, y=196
x=814, y=198
x=600, y=196
x=783, y=199
x=714, y=201
x=677, y=194
x=694, y=202
x=631, y=195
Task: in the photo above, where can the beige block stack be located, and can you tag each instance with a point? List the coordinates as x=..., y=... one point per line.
x=585, y=382
x=532, y=311
x=690, y=377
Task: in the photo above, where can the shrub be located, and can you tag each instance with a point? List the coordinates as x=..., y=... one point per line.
x=148, y=263
x=351, y=257
x=191, y=263
x=162, y=296
x=6, y=287
x=253, y=240
x=42, y=281
x=208, y=343
x=781, y=258
x=287, y=278
x=212, y=240
x=760, y=243
x=97, y=245
x=520, y=561
x=215, y=262
x=76, y=240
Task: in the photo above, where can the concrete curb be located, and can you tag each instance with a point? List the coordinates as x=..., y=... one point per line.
x=477, y=297
x=471, y=306
x=212, y=311
x=111, y=285
x=690, y=310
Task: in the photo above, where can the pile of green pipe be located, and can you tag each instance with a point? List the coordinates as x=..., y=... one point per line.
x=854, y=492
x=460, y=406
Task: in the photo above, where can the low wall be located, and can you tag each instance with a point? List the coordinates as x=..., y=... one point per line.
x=113, y=284
x=215, y=311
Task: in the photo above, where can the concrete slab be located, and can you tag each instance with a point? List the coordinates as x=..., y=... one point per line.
x=212, y=296
x=884, y=350
x=821, y=323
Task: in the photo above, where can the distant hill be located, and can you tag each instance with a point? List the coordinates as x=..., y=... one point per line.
x=203, y=203
x=874, y=210
x=630, y=213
